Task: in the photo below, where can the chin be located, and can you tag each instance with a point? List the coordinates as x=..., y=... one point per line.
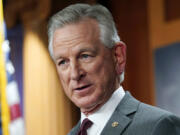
x=85, y=106
x=88, y=107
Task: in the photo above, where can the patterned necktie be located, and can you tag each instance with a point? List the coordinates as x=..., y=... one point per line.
x=84, y=126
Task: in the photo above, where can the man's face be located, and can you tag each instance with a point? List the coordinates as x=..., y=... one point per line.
x=86, y=68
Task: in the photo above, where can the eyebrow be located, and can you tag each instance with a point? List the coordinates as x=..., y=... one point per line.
x=58, y=57
x=87, y=49
x=81, y=51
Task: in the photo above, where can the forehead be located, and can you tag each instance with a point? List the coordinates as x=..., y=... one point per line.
x=86, y=29
x=83, y=33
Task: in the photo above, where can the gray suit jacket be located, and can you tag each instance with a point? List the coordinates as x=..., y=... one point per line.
x=136, y=118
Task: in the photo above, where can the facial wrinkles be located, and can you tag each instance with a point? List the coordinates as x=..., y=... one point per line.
x=68, y=45
x=69, y=41
x=109, y=83
x=107, y=90
x=65, y=46
x=91, y=31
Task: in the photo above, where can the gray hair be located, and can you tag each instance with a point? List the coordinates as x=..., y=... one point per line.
x=77, y=12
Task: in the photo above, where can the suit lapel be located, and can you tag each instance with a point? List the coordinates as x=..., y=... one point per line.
x=75, y=129
x=120, y=120
x=110, y=129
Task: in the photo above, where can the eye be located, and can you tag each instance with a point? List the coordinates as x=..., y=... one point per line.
x=85, y=56
x=62, y=62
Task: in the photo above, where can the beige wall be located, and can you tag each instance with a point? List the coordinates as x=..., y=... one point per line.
x=162, y=31
x=47, y=110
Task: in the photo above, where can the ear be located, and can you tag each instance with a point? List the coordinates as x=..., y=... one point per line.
x=120, y=56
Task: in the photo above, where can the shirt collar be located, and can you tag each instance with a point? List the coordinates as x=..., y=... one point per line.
x=100, y=117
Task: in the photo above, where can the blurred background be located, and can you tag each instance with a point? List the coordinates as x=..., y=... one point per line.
x=32, y=100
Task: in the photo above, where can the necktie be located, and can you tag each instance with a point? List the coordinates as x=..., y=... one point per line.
x=84, y=126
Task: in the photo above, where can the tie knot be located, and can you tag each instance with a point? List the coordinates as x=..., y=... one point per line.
x=84, y=126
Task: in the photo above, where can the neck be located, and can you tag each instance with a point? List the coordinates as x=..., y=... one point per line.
x=91, y=110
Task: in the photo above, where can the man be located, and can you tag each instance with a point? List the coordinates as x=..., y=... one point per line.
x=90, y=60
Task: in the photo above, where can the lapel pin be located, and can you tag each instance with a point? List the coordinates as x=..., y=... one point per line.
x=115, y=124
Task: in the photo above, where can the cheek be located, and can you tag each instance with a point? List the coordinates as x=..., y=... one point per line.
x=62, y=75
x=65, y=85
x=63, y=79
x=95, y=69
x=103, y=67
x=100, y=72
x=105, y=74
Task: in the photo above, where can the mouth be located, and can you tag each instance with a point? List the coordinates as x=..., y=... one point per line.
x=83, y=87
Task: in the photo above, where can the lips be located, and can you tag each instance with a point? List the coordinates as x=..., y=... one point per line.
x=82, y=87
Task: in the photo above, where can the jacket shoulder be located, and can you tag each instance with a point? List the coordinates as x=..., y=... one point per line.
x=151, y=120
x=155, y=121
x=75, y=129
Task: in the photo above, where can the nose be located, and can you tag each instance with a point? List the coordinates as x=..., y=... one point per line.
x=76, y=72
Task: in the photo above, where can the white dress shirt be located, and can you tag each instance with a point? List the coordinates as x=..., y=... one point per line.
x=101, y=117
